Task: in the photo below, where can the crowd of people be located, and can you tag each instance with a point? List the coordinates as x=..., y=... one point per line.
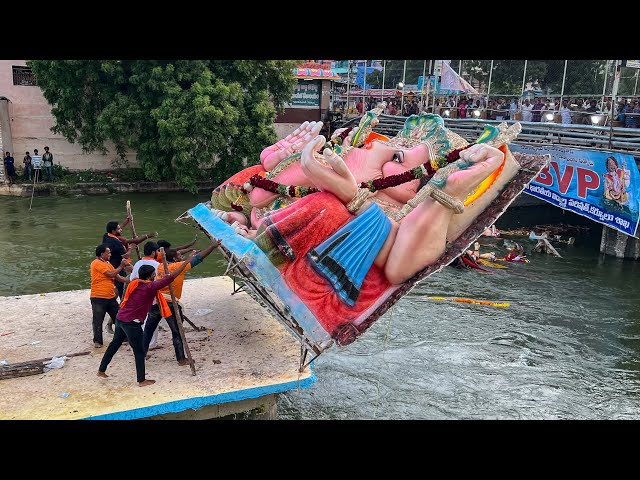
x=570, y=110
x=143, y=290
x=34, y=166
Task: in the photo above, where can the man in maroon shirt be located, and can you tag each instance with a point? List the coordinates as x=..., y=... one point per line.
x=133, y=311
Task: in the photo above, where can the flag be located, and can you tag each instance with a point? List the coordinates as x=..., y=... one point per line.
x=452, y=83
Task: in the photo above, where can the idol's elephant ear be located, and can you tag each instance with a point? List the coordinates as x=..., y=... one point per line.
x=243, y=176
x=500, y=135
x=229, y=196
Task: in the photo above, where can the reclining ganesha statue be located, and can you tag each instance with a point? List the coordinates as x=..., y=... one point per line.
x=335, y=232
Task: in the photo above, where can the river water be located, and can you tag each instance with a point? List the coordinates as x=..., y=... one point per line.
x=566, y=347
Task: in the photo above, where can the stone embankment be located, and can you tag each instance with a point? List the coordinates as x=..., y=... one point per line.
x=46, y=189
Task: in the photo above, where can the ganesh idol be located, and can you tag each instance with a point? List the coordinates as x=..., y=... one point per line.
x=349, y=222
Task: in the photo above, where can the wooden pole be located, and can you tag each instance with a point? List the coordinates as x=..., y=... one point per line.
x=30, y=367
x=195, y=327
x=35, y=176
x=176, y=309
x=22, y=370
x=133, y=228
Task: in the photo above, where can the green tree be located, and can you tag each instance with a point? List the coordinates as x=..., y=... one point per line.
x=393, y=71
x=178, y=115
x=584, y=77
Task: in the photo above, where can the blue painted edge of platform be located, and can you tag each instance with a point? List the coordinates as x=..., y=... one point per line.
x=199, y=402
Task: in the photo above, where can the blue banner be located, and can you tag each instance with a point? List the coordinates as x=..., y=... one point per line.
x=360, y=76
x=602, y=186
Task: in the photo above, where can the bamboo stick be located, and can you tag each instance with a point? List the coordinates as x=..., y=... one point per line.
x=133, y=228
x=178, y=315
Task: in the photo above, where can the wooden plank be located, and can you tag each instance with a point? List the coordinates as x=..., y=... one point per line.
x=21, y=370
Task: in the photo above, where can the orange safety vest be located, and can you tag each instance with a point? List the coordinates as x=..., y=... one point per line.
x=162, y=302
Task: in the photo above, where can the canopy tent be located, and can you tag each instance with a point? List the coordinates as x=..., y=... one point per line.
x=307, y=73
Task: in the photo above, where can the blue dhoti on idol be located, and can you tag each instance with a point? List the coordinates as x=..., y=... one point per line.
x=346, y=256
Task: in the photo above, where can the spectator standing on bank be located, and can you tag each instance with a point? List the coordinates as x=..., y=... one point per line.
x=10, y=167
x=47, y=160
x=28, y=166
x=36, y=160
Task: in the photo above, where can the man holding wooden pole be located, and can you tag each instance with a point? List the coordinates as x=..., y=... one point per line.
x=133, y=311
x=172, y=293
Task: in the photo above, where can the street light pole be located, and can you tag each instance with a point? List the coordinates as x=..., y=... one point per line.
x=346, y=112
x=404, y=72
x=429, y=85
x=524, y=78
x=614, y=92
x=489, y=86
x=384, y=64
x=364, y=84
x=564, y=77
x=604, y=87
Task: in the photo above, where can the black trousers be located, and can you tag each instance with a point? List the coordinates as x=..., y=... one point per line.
x=132, y=331
x=100, y=307
x=153, y=319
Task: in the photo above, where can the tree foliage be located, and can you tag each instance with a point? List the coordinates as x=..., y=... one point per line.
x=177, y=115
x=584, y=77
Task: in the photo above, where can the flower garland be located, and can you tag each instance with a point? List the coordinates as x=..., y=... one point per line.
x=280, y=188
x=416, y=173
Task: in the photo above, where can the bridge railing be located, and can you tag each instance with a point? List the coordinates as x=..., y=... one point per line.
x=605, y=138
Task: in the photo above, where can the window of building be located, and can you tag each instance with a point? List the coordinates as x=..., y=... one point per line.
x=24, y=76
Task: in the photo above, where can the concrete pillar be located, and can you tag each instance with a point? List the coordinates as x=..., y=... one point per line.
x=5, y=132
x=618, y=244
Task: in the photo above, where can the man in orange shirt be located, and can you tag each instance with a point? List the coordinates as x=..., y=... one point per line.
x=173, y=258
x=103, y=290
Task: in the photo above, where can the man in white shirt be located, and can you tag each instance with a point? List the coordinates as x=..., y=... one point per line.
x=150, y=253
x=36, y=161
x=527, y=108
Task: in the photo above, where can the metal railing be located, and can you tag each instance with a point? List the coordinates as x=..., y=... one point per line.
x=606, y=138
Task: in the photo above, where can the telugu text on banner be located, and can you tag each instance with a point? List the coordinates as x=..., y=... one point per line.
x=603, y=186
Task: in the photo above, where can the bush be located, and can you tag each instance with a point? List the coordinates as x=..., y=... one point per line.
x=60, y=172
